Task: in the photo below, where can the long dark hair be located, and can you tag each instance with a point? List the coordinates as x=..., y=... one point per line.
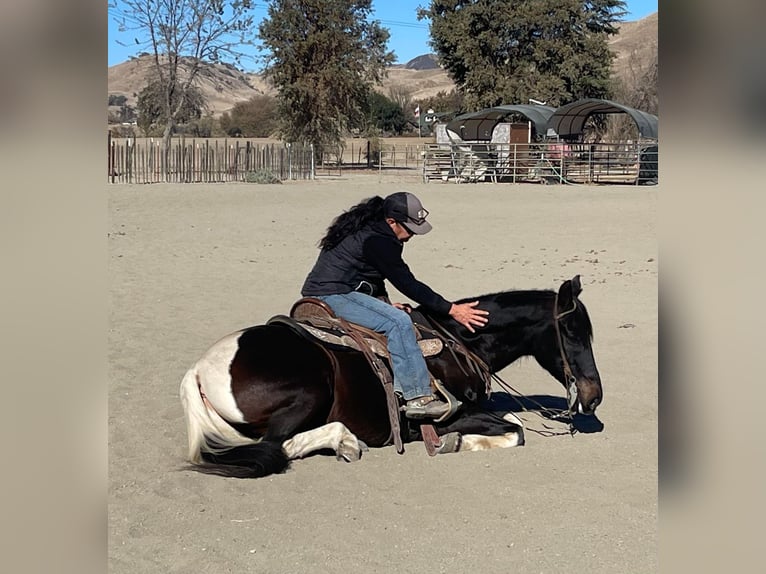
x=352, y=221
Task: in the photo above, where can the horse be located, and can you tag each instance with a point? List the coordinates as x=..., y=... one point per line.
x=266, y=395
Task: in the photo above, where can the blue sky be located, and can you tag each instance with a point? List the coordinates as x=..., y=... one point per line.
x=409, y=37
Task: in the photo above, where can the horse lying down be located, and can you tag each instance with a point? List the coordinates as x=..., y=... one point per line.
x=263, y=396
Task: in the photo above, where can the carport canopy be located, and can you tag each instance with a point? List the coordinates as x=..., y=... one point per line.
x=568, y=120
x=478, y=126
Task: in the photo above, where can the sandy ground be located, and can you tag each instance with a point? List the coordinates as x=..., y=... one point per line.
x=189, y=264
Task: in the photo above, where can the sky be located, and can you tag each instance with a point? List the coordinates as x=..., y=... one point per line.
x=409, y=37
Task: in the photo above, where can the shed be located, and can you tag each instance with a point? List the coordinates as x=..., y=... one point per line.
x=568, y=121
x=478, y=126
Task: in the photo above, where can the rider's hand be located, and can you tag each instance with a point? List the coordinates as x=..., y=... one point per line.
x=466, y=315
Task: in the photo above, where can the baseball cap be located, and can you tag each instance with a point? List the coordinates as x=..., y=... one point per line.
x=405, y=208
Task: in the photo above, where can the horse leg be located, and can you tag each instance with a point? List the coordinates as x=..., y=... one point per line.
x=481, y=430
x=476, y=442
x=333, y=435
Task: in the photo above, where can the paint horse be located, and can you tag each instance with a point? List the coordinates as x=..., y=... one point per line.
x=266, y=395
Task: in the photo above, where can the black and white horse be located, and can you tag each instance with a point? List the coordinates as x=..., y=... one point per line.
x=265, y=395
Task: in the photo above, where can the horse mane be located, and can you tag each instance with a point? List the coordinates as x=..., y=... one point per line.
x=352, y=221
x=528, y=297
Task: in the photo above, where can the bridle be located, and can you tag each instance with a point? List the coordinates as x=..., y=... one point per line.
x=568, y=376
x=544, y=412
x=555, y=414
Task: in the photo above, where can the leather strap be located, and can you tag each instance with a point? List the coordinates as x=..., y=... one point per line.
x=430, y=439
x=384, y=375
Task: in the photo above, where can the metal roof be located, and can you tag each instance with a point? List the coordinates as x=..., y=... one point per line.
x=569, y=120
x=478, y=126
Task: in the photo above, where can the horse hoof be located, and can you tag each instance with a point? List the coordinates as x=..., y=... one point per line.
x=350, y=453
x=450, y=442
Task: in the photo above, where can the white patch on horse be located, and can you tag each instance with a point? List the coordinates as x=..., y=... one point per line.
x=213, y=369
x=476, y=442
x=333, y=435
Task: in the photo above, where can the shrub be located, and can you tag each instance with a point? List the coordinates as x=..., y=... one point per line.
x=261, y=176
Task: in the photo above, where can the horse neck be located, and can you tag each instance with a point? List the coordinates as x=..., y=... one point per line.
x=519, y=321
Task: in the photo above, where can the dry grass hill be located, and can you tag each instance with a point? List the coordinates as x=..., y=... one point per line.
x=223, y=85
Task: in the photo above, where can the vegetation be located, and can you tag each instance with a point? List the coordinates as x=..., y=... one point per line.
x=385, y=114
x=261, y=176
x=452, y=103
x=323, y=56
x=549, y=50
x=638, y=89
x=117, y=100
x=181, y=35
x=152, y=108
x=255, y=118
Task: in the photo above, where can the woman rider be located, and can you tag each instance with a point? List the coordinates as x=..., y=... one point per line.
x=362, y=248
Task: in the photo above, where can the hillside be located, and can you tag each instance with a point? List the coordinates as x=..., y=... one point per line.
x=638, y=39
x=223, y=85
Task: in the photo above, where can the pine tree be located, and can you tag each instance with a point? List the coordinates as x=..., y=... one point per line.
x=500, y=52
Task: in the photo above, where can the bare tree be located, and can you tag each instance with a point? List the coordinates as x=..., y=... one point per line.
x=402, y=95
x=181, y=35
x=637, y=87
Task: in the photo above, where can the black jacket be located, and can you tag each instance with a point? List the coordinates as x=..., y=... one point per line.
x=370, y=255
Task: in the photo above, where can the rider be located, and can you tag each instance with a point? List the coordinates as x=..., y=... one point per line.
x=362, y=247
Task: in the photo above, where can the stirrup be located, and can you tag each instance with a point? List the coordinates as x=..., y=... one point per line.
x=453, y=403
x=426, y=407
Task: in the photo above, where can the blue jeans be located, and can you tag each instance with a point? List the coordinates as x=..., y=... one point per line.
x=411, y=377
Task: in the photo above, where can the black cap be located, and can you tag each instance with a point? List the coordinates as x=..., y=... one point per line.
x=405, y=208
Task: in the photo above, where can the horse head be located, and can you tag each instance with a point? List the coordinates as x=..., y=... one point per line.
x=572, y=363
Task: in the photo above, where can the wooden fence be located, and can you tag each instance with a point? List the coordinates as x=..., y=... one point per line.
x=208, y=160
x=201, y=160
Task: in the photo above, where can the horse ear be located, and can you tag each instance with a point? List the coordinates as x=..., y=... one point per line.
x=565, y=296
x=569, y=289
x=576, y=287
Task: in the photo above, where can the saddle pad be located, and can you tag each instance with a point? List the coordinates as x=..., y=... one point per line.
x=429, y=347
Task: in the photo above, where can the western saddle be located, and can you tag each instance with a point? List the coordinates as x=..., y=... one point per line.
x=315, y=317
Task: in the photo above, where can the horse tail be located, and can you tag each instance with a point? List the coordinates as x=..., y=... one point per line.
x=215, y=447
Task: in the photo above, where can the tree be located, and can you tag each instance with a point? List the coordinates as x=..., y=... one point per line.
x=181, y=35
x=385, y=114
x=636, y=86
x=323, y=56
x=152, y=109
x=508, y=52
x=451, y=102
x=255, y=118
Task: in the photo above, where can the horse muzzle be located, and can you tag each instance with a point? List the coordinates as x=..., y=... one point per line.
x=588, y=396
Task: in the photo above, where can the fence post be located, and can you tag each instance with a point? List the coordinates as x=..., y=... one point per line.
x=111, y=157
x=289, y=161
x=369, y=157
x=561, y=166
x=514, y=162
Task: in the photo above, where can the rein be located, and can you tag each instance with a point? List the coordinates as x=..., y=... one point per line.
x=483, y=369
x=552, y=414
x=454, y=346
x=555, y=414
